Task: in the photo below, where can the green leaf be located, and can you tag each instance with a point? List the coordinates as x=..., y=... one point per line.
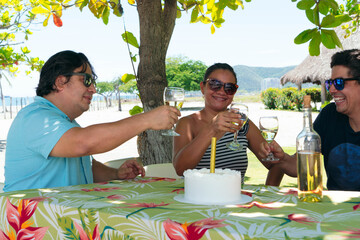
x=305, y=36
x=178, y=13
x=105, y=15
x=305, y=4
x=330, y=39
x=314, y=45
x=323, y=7
x=127, y=77
x=232, y=5
x=194, y=15
x=117, y=8
x=135, y=110
x=67, y=226
x=316, y=15
x=340, y=19
x=128, y=37
x=327, y=38
x=83, y=4
x=327, y=20
x=333, y=4
x=310, y=15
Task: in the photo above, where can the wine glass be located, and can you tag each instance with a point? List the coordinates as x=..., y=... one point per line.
x=173, y=96
x=243, y=110
x=269, y=126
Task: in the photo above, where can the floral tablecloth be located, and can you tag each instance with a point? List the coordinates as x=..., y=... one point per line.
x=144, y=208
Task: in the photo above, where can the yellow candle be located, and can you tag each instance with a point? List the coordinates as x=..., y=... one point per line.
x=213, y=154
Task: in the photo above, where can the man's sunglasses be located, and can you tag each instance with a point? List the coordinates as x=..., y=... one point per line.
x=338, y=82
x=88, y=78
x=216, y=85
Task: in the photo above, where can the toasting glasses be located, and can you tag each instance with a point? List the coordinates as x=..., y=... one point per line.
x=173, y=96
x=269, y=126
x=243, y=110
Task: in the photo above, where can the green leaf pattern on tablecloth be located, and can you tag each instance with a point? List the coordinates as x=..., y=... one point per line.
x=138, y=209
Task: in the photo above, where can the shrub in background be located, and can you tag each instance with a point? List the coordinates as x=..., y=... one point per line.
x=269, y=96
x=289, y=98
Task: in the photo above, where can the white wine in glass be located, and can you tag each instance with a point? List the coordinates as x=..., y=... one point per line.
x=269, y=126
x=173, y=96
x=243, y=110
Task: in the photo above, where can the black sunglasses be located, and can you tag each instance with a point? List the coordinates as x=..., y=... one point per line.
x=338, y=82
x=216, y=85
x=88, y=78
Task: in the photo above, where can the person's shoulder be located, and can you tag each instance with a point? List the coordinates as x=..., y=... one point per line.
x=329, y=107
x=190, y=121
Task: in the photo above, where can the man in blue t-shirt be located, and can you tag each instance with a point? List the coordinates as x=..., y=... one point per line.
x=338, y=125
x=47, y=148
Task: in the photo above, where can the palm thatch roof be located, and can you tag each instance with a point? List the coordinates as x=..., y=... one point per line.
x=316, y=69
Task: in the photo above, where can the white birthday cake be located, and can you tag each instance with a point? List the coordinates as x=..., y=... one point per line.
x=221, y=187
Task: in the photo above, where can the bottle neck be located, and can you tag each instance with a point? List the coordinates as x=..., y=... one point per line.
x=307, y=119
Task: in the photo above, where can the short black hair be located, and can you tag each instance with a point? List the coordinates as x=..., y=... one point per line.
x=61, y=63
x=217, y=66
x=349, y=58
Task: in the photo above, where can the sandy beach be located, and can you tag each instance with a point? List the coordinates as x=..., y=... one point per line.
x=290, y=124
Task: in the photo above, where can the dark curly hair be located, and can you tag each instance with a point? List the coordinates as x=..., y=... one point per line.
x=217, y=66
x=61, y=63
x=349, y=58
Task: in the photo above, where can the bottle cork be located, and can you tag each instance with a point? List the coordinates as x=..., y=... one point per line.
x=307, y=100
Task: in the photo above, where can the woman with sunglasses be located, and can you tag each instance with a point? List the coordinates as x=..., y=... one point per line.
x=338, y=125
x=192, y=148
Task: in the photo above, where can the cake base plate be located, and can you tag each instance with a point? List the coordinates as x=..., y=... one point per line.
x=244, y=199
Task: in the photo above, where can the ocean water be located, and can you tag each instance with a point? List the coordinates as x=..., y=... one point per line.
x=17, y=101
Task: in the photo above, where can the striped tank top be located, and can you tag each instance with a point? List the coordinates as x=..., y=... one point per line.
x=226, y=158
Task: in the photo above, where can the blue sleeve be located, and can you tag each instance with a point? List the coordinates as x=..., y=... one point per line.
x=43, y=130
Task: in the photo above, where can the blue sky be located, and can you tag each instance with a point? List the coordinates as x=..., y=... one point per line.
x=260, y=35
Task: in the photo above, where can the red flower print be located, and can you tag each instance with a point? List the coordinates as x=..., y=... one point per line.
x=115, y=197
x=272, y=205
x=352, y=233
x=37, y=199
x=18, y=218
x=178, y=190
x=145, y=205
x=246, y=193
x=301, y=218
x=355, y=207
x=291, y=192
x=97, y=189
x=194, y=231
x=84, y=236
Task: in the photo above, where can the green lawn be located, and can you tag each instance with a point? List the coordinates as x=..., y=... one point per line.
x=256, y=172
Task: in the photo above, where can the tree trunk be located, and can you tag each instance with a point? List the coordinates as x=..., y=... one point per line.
x=119, y=99
x=156, y=28
x=2, y=99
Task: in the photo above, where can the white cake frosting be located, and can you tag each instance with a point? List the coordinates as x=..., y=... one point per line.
x=221, y=187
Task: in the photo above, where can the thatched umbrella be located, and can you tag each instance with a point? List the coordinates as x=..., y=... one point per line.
x=316, y=69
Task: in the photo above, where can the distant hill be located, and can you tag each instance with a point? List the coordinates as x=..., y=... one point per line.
x=249, y=78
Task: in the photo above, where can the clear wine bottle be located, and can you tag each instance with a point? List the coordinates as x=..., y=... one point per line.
x=309, y=159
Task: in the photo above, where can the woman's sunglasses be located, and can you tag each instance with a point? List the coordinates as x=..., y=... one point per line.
x=88, y=78
x=338, y=82
x=216, y=85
